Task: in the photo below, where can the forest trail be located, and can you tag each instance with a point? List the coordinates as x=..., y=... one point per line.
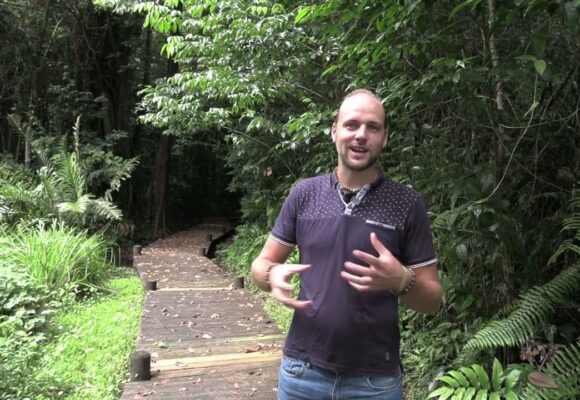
x=207, y=340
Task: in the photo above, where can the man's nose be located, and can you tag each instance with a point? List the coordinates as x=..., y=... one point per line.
x=361, y=132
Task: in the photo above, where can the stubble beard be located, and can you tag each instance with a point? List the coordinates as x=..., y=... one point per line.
x=370, y=163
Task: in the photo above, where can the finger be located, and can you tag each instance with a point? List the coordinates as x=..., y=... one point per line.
x=378, y=245
x=358, y=269
x=285, y=286
x=296, y=268
x=286, y=299
x=298, y=304
x=360, y=288
x=366, y=257
x=359, y=280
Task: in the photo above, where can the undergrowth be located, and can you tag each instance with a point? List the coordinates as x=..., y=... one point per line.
x=84, y=353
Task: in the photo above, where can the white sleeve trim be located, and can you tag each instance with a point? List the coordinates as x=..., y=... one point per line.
x=423, y=264
x=281, y=241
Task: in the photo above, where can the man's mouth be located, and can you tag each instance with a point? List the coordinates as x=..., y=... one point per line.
x=358, y=149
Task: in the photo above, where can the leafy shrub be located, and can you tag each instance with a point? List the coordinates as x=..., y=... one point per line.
x=66, y=184
x=23, y=303
x=247, y=245
x=474, y=383
x=25, y=307
x=83, y=355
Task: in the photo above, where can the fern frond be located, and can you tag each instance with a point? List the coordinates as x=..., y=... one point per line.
x=71, y=178
x=76, y=132
x=564, y=368
x=123, y=171
x=14, y=194
x=107, y=210
x=570, y=223
x=79, y=207
x=47, y=189
x=532, y=309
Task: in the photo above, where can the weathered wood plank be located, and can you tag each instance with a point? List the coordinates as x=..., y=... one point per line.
x=215, y=360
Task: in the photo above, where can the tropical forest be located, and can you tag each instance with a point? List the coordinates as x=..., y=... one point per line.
x=125, y=121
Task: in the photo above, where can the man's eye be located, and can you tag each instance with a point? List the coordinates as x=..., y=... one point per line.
x=351, y=125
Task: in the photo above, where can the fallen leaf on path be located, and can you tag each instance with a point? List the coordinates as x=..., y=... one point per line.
x=254, y=348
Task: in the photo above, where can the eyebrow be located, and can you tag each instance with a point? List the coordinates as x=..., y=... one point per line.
x=369, y=123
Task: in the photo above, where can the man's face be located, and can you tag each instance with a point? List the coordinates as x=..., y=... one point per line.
x=359, y=132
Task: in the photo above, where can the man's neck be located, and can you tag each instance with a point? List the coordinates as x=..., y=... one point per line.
x=354, y=180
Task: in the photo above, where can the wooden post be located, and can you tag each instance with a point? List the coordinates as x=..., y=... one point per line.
x=137, y=250
x=239, y=282
x=209, y=237
x=151, y=285
x=140, y=366
x=202, y=252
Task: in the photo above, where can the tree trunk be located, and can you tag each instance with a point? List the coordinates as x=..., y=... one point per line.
x=158, y=192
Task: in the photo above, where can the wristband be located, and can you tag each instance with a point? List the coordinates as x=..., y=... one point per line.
x=408, y=282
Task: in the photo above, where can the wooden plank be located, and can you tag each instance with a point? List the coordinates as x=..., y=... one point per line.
x=215, y=361
x=196, y=289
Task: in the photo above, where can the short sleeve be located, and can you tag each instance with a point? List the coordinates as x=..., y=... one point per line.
x=284, y=230
x=418, y=249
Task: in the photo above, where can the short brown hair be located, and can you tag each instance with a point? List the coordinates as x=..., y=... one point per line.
x=362, y=91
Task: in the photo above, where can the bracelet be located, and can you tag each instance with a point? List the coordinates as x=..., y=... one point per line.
x=407, y=283
x=267, y=279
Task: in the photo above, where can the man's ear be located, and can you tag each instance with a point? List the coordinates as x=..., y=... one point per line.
x=333, y=132
x=386, y=139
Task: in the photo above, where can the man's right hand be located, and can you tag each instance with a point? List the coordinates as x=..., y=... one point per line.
x=280, y=285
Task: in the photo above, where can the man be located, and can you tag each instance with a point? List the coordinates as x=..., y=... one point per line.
x=365, y=242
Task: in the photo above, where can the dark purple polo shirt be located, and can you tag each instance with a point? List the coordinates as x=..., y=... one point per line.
x=345, y=330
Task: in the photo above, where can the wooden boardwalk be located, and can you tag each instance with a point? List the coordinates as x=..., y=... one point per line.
x=206, y=339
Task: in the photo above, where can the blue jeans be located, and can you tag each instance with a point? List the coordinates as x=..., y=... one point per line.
x=300, y=380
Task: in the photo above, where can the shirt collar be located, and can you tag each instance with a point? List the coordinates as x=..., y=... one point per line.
x=374, y=184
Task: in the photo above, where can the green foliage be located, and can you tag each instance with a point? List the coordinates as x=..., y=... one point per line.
x=474, y=383
x=60, y=188
x=93, y=342
x=570, y=224
x=58, y=257
x=534, y=307
x=564, y=369
x=84, y=356
x=24, y=304
x=25, y=310
x=247, y=244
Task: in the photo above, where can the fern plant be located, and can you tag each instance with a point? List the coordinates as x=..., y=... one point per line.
x=62, y=185
x=563, y=373
x=473, y=382
x=560, y=377
x=534, y=307
x=570, y=223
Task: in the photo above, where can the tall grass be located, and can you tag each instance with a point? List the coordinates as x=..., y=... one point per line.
x=58, y=256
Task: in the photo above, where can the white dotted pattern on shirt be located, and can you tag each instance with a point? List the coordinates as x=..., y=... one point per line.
x=390, y=203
